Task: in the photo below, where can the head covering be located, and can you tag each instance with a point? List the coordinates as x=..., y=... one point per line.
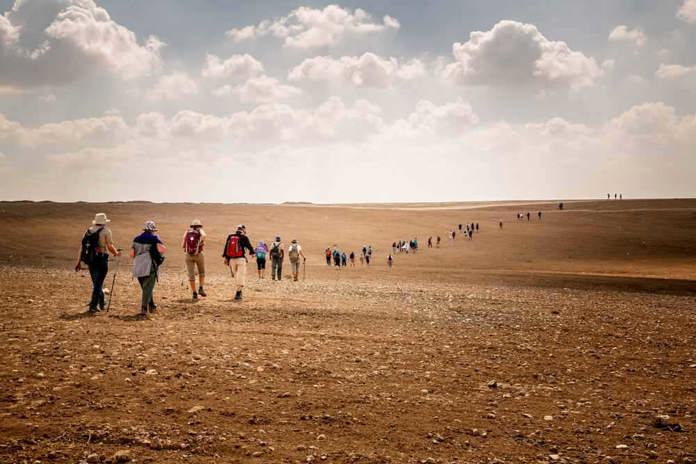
x=100, y=219
x=277, y=239
x=294, y=240
x=262, y=243
x=240, y=228
x=150, y=226
x=196, y=223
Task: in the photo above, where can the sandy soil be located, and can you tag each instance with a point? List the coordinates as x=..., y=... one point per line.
x=569, y=339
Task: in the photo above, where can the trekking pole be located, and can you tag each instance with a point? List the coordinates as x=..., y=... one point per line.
x=113, y=282
x=304, y=270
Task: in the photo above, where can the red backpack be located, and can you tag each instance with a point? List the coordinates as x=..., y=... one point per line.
x=234, y=247
x=192, y=242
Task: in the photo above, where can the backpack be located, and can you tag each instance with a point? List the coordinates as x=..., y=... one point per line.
x=275, y=250
x=90, y=243
x=294, y=252
x=157, y=257
x=192, y=242
x=234, y=247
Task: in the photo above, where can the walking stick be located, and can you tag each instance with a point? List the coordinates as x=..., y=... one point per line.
x=113, y=283
x=304, y=270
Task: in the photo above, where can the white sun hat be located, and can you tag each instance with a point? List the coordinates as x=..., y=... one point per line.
x=196, y=222
x=100, y=219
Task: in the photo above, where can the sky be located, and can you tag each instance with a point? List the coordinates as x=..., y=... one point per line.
x=359, y=101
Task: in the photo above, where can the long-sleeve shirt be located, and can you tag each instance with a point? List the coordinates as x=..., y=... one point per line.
x=243, y=242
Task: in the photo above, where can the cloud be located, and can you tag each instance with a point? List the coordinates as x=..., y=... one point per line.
x=452, y=118
x=623, y=34
x=53, y=42
x=517, y=54
x=173, y=87
x=368, y=70
x=308, y=27
x=262, y=89
x=687, y=12
x=674, y=71
x=235, y=68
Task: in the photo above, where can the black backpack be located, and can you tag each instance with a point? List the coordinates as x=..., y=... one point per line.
x=275, y=250
x=90, y=243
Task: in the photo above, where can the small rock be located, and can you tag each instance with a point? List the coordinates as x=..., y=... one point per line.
x=554, y=457
x=548, y=418
x=493, y=384
x=93, y=458
x=196, y=409
x=321, y=436
x=121, y=456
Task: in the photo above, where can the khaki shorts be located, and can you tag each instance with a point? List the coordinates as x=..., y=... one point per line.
x=193, y=261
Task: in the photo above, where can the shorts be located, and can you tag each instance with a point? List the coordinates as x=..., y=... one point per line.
x=261, y=263
x=195, y=261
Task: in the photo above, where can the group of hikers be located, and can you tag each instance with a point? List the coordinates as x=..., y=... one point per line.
x=148, y=254
x=520, y=216
x=340, y=259
x=620, y=196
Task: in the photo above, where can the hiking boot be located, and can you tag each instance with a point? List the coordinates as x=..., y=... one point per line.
x=238, y=295
x=195, y=296
x=152, y=306
x=201, y=292
x=92, y=310
x=143, y=310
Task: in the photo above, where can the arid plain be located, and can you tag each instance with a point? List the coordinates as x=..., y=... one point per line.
x=565, y=339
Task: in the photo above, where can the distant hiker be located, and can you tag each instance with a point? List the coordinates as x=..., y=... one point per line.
x=539, y=214
x=295, y=253
x=362, y=259
x=620, y=196
x=327, y=254
x=560, y=206
x=460, y=227
x=234, y=254
x=608, y=196
x=344, y=259
x=471, y=234
x=97, y=243
x=261, y=251
x=430, y=242
x=147, y=251
x=500, y=224
x=192, y=243
x=477, y=227
x=405, y=247
x=528, y=215
x=337, y=258
x=364, y=250
x=352, y=259
x=390, y=261
x=368, y=256
x=614, y=196
x=454, y=235
x=277, y=254
x=438, y=241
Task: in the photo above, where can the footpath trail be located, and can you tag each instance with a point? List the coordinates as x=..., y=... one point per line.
x=372, y=370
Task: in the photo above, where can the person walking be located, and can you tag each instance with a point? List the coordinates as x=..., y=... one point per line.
x=193, y=243
x=97, y=243
x=147, y=250
x=234, y=254
x=437, y=242
x=261, y=251
x=390, y=261
x=352, y=259
x=327, y=255
x=500, y=224
x=539, y=214
x=295, y=253
x=477, y=227
x=277, y=256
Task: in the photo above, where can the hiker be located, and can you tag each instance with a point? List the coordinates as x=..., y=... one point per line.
x=430, y=242
x=295, y=253
x=477, y=227
x=471, y=234
x=344, y=259
x=390, y=261
x=327, y=253
x=234, y=255
x=192, y=243
x=438, y=241
x=337, y=258
x=368, y=256
x=352, y=259
x=147, y=251
x=620, y=196
x=539, y=214
x=460, y=227
x=261, y=251
x=528, y=215
x=500, y=224
x=277, y=255
x=608, y=196
x=362, y=259
x=454, y=235
x=560, y=206
x=97, y=243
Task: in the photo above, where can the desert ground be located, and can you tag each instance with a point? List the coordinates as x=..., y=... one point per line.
x=568, y=339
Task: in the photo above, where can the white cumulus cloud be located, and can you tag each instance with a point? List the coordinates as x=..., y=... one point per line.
x=173, y=87
x=262, y=89
x=308, y=27
x=368, y=70
x=675, y=71
x=517, y=54
x=687, y=12
x=622, y=33
x=234, y=68
x=52, y=42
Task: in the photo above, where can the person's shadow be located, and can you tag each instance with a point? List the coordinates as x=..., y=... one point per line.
x=131, y=317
